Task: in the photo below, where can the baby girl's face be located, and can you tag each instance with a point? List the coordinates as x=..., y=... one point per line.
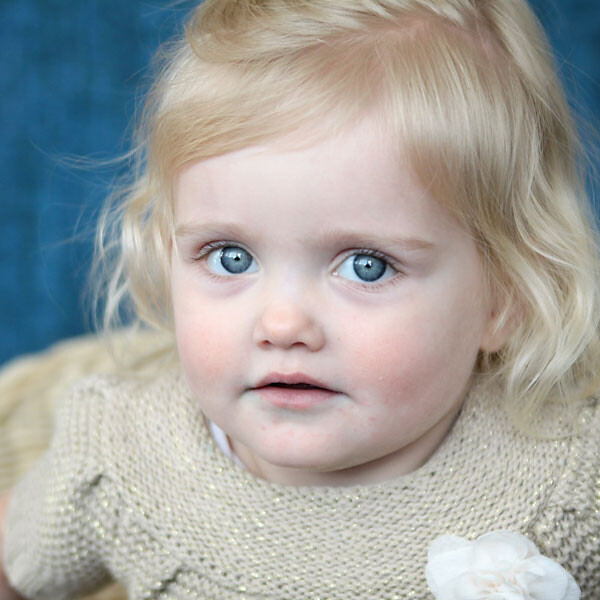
x=328, y=311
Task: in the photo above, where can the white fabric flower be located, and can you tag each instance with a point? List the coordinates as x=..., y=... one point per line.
x=500, y=565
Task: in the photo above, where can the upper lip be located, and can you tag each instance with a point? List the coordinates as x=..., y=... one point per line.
x=291, y=379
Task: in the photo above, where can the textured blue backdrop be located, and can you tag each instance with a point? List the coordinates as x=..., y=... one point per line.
x=68, y=78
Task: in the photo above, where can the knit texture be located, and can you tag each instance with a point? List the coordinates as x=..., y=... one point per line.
x=134, y=488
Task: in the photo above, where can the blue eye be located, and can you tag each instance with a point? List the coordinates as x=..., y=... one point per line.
x=231, y=260
x=365, y=268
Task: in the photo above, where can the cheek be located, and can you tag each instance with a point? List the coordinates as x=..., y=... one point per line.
x=419, y=353
x=382, y=350
x=206, y=341
x=394, y=363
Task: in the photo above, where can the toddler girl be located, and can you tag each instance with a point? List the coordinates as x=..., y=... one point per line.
x=364, y=223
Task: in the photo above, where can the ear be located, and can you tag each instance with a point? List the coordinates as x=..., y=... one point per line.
x=504, y=318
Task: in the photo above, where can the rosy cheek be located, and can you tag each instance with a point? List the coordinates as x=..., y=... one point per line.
x=204, y=347
x=400, y=362
x=382, y=367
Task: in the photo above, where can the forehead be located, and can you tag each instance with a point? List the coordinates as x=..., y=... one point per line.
x=357, y=180
x=354, y=159
x=354, y=188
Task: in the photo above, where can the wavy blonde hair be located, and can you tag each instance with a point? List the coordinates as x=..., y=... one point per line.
x=469, y=90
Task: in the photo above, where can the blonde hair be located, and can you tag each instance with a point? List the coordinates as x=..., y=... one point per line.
x=469, y=90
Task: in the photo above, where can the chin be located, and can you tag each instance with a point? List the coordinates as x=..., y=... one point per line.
x=304, y=457
x=312, y=461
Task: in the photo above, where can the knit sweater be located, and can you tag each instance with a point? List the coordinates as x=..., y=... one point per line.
x=134, y=488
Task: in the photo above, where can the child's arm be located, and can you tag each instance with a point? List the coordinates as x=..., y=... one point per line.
x=6, y=591
x=53, y=531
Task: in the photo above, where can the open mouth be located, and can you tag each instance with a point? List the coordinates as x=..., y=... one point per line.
x=296, y=386
x=294, y=392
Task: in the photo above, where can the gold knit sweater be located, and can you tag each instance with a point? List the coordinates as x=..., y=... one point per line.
x=133, y=488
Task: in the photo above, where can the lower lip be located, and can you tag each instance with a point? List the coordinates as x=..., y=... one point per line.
x=293, y=398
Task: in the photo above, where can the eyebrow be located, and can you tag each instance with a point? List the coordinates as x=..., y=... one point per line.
x=322, y=238
x=358, y=238
x=218, y=228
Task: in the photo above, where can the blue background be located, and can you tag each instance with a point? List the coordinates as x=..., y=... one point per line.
x=69, y=74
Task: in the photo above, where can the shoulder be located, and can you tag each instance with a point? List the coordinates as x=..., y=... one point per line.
x=585, y=442
x=138, y=427
x=584, y=465
x=576, y=480
x=568, y=523
x=113, y=393
x=112, y=408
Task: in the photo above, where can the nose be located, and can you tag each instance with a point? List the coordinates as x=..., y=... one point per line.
x=286, y=324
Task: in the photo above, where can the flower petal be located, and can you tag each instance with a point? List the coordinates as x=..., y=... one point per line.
x=572, y=592
x=447, y=566
x=554, y=584
x=505, y=545
x=500, y=565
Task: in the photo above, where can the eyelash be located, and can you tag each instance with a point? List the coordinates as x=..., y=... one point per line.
x=208, y=248
x=199, y=257
x=373, y=287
